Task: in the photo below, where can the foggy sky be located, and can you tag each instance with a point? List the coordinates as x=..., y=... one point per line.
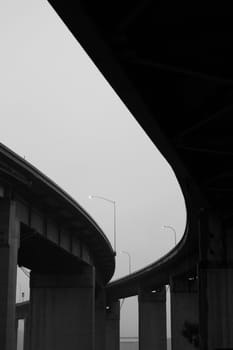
x=58, y=112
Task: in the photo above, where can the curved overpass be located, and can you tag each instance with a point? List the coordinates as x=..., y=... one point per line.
x=182, y=260
x=70, y=258
x=45, y=209
x=171, y=63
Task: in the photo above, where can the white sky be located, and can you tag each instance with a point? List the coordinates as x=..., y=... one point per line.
x=57, y=110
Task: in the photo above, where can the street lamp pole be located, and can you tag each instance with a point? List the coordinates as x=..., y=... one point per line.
x=114, y=207
x=129, y=256
x=174, y=231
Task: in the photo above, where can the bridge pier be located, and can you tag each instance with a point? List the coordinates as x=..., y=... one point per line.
x=100, y=316
x=112, y=335
x=9, y=242
x=152, y=320
x=215, y=280
x=216, y=308
x=184, y=313
x=62, y=311
x=26, y=333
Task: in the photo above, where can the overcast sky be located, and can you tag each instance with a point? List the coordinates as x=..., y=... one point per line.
x=58, y=112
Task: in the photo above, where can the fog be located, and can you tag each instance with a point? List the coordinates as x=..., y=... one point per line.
x=59, y=113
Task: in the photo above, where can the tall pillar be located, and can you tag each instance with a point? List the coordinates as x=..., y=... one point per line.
x=100, y=314
x=112, y=335
x=184, y=314
x=26, y=333
x=215, y=279
x=62, y=311
x=16, y=330
x=9, y=241
x=152, y=320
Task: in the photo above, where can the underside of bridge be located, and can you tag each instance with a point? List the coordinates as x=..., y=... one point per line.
x=70, y=258
x=171, y=64
x=39, y=255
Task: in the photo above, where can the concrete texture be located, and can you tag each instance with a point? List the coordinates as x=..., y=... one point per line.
x=9, y=240
x=184, y=311
x=100, y=321
x=62, y=311
x=113, y=326
x=152, y=320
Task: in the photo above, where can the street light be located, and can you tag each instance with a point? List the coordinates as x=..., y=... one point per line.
x=129, y=256
x=174, y=231
x=114, y=207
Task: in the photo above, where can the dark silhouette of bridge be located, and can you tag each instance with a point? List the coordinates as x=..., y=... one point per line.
x=171, y=64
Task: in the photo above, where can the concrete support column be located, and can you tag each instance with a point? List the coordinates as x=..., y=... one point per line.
x=184, y=313
x=112, y=335
x=216, y=308
x=16, y=330
x=152, y=320
x=100, y=314
x=26, y=333
x=9, y=242
x=62, y=311
x=215, y=283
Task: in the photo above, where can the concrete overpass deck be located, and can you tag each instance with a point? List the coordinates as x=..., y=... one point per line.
x=171, y=64
x=70, y=258
x=49, y=219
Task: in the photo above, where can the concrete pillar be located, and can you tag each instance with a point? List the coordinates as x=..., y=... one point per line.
x=113, y=326
x=26, y=333
x=152, y=320
x=100, y=314
x=216, y=308
x=62, y=311
x=215, y=284
x=9, y=242
x=16, y=330
x=184, y=314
